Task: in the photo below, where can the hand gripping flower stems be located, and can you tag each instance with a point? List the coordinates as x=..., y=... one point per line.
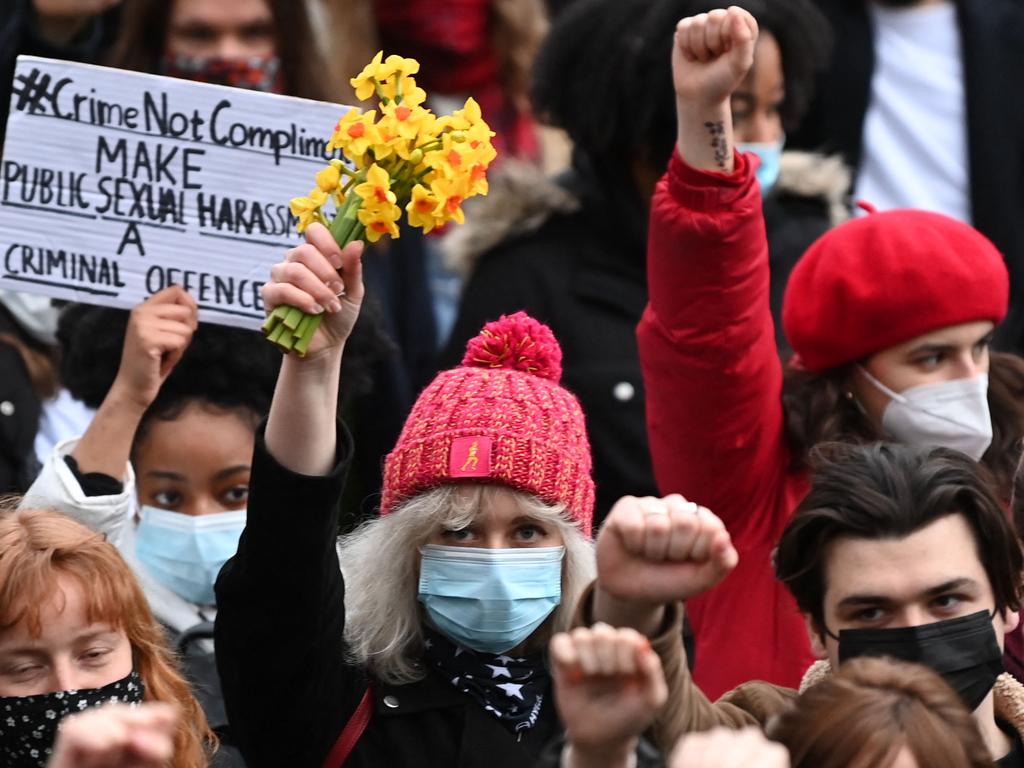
x=406, y=157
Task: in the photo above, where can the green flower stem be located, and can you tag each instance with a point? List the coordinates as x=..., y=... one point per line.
x=293, y=318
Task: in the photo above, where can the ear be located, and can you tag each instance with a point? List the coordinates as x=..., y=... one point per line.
x=1011, y=620
x=817, y=638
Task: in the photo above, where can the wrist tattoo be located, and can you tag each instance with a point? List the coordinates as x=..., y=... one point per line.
x=718, y=142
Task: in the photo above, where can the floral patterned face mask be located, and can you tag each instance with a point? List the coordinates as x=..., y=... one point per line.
x=256, y=73
x=28, y=724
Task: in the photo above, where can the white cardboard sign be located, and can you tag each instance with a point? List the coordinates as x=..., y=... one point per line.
x=117, y=184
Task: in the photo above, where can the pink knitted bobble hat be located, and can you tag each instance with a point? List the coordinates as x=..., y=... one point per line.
x=500, y=417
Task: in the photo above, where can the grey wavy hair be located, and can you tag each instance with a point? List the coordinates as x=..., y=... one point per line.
x=380, y=563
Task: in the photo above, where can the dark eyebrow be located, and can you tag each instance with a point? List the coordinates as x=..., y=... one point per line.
x=166, y=475
x=858, y=600
x=951, y=586
x=948, y=586
x=932, y=349
x=232, y=470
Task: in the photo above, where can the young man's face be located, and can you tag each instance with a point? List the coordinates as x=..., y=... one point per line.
x=931, y=575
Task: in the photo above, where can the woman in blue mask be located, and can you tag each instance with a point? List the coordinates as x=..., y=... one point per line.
x=426, y=648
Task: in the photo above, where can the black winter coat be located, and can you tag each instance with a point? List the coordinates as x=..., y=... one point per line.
x=583, y=273
x=280, y=622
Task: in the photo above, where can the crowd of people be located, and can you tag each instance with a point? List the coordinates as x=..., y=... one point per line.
x=705, y=464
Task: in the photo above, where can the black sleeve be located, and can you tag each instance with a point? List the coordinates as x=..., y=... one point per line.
x=280, y=618
x=94, y=483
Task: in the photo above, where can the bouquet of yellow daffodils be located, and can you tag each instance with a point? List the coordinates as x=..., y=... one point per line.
x=405, y=157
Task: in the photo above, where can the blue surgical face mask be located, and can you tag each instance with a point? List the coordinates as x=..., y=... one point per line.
x=770, y=154
x=490, y=600
x=185, y=552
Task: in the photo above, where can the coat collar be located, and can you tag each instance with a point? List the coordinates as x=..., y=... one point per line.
x=1009, y=694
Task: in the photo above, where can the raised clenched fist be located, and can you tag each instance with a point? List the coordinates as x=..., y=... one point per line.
x=609, y=686
x=712, y=54
x=658, y=551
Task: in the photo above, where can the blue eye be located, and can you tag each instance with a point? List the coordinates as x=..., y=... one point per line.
x=462, y=534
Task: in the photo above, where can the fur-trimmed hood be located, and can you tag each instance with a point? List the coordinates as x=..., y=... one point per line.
x=522, y=198
x=1009, y=694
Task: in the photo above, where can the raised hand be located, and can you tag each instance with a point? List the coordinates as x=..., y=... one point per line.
x=608, y=688
x=320, y=276
x=117, y=736
x=159, y=331
x=655, y=551
x=725, y=748
x=712, y=54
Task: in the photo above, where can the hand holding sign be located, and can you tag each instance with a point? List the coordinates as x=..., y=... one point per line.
x=159, y=331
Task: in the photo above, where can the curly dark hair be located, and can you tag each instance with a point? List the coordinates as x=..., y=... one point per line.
x=227, y=368
x=818, y=409
x=603, y=74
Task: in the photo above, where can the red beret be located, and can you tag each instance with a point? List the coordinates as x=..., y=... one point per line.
x=885, y=278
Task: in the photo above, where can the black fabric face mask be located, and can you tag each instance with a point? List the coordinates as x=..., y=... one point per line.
x=28, y=724
x=963, y=651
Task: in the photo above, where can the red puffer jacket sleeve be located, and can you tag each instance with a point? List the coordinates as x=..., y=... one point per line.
x=713, y=382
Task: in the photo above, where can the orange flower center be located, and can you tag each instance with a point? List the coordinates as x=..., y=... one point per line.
x=402, y=113
x=477, y=172
x=356, y=130
x=454, y=159
x=423, y=205
x=379, y=226
x=475, y=143
x=381, y=194
x=452, y=203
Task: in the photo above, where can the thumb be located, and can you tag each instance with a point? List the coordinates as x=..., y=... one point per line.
x=653, y=675
x=352, y=270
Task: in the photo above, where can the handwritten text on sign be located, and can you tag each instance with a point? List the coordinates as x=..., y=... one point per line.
x=117, y=184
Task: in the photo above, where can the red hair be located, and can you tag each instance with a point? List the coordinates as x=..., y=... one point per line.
x=39, y=547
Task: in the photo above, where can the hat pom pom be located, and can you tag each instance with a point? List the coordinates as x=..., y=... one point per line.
x=518, y=342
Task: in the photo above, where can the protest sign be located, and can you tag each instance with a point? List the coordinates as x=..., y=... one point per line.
x=117, y=184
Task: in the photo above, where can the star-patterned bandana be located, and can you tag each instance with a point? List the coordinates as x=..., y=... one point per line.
x=510, y=688
x=28, y=724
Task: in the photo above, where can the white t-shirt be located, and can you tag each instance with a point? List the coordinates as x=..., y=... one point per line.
x=914, y=152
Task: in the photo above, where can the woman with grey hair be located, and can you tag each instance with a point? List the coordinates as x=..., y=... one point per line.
x=426, y=648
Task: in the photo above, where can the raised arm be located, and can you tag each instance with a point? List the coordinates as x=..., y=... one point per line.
x=711, y=370
x=317, y=276
x=281, y=599
x=159, y=331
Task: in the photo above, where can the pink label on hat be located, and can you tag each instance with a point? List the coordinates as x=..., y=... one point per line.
x=470, y=457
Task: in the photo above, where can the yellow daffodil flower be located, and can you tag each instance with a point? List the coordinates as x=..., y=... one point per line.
x=404, y=120
x=449, y=193
x=328, y=179
x=365, y=82
x=421, y=209
x=376, y=190
x=354, y=134
x=380, y=221
x=307, y=209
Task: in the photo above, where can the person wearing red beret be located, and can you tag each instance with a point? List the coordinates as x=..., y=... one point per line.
x=890, y=317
